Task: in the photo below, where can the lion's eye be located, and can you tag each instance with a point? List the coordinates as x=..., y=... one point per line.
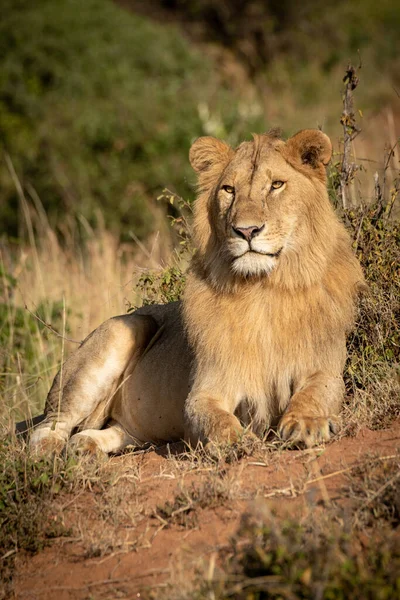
x=228, y=189
x=275, y=185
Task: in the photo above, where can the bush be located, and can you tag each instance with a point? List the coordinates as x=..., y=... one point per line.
x=377, y=245
x=372, y=374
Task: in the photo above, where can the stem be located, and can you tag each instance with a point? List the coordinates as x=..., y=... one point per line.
x=350, y=132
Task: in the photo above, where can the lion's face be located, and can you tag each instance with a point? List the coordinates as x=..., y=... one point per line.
x=256, y=212
x=259, y=196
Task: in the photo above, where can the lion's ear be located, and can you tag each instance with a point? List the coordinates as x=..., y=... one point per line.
x=311, y=148
x=207, y=152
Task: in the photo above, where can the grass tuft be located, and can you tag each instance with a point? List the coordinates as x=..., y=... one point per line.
x=28, y=487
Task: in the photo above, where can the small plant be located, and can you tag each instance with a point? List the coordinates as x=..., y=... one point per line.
x=161, y=287
x=167, y=285
x=181, y=511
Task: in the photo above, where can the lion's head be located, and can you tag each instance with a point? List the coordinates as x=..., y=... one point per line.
x=263, y=209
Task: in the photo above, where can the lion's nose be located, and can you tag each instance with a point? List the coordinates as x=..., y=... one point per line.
x=248, y=233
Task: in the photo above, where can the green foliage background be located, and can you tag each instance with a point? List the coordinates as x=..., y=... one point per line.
x=326, y=33
x=99, y=104
x=98, y=108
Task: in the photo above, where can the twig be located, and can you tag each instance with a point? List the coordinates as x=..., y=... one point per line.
x=52, y=328
x=378, y=189
x=9, y=553
x=378, y=493
x=141, y=246
x=162, y=521
x=390, y=155
x=289, y=491
x=181, y=510
x=348, y=469
x=359, y=233
x=157, y=531
x=64, y=506
x=293, y=492
x=386, y=167
x=115, y=580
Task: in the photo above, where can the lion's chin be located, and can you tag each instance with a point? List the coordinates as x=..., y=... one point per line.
x=254, y=264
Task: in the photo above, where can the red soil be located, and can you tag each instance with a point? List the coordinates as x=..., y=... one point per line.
x=146, y=552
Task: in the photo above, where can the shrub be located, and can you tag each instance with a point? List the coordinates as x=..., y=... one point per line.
x=372, y=370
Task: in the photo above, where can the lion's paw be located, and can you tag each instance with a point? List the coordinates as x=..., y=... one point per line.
x=46, y=441
x=307, y=430
x=225, y=430
x=86, y=445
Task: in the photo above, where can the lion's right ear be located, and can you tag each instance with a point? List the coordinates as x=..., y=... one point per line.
x=207, y=152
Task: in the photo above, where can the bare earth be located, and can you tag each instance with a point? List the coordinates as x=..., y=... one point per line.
x=121, y=546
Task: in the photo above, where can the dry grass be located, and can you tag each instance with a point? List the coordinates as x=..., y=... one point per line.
x=372, y=371
x=30, y=512
x=375, y=486
x=217, y=488
x=49, y=285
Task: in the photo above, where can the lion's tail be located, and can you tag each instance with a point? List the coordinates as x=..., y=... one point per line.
x=23, y=427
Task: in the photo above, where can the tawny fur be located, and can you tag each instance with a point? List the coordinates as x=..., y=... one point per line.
x=263, y=321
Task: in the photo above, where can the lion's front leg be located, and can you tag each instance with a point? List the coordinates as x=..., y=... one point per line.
x=208, y=419
x=311, y=416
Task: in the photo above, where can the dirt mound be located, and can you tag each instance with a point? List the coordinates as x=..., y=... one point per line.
x=165, y=516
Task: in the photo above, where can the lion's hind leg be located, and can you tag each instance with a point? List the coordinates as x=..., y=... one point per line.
x=83, y=391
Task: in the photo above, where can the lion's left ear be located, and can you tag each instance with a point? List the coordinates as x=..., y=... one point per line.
x=207, y=152
x=310, y=148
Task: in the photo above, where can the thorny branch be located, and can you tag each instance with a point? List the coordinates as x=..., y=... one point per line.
x=350, y=132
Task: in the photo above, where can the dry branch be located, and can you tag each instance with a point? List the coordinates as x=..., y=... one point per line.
x=50, y=328
x=350, y=132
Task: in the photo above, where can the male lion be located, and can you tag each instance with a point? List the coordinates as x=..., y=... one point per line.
x=260, y=332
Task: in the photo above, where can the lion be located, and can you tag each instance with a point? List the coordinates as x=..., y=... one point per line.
x=259, y=338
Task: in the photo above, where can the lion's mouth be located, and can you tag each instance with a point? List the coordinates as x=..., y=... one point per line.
x=271, y=254
x=256, y=261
